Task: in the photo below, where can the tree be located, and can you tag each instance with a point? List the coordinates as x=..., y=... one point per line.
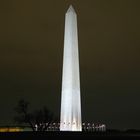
x=39, y=120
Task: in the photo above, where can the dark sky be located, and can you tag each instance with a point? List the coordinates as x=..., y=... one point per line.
x=31, y=53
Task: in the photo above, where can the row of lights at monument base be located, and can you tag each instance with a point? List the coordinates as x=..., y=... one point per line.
x=85, y=127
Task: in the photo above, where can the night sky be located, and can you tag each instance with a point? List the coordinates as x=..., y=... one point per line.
x=31, y=54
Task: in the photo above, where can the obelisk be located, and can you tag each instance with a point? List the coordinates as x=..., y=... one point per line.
x=70, y=117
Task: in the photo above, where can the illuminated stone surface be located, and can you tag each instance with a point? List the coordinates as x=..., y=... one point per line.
x=70, y=119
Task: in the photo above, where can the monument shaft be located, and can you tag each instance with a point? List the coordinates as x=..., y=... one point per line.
x=70, y=119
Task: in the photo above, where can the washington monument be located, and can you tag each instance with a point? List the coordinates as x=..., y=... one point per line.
x=70, y=119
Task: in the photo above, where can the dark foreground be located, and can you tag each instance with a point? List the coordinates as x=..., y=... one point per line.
x=77, y=135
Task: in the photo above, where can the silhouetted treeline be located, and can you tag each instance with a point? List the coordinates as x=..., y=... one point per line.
x=38, y=120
